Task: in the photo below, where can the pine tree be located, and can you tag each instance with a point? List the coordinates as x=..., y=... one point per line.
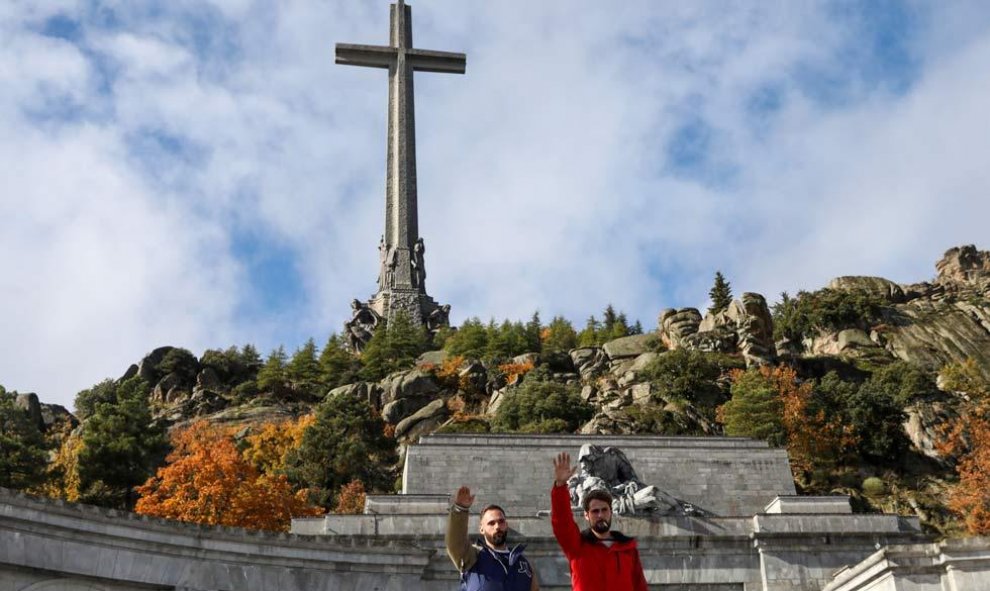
x=720, y=294
x=338, y=365
x=589, y=336
x=22, y=447
x=559, y=336
x=272, y=375
x=121, y=445
x=533, y=329
x=346, y=442
x=303, y=370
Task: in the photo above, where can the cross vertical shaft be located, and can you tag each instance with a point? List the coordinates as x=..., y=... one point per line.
x=402, y=275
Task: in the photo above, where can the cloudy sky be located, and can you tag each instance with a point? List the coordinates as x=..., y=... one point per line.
x=201, y=174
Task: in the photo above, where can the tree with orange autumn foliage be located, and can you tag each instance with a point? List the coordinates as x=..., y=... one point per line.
x=969, y=439
x=207, y=480
x=350, y=499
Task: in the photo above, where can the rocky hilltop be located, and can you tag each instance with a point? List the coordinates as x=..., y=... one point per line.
x=929, y=323
x=868, y=350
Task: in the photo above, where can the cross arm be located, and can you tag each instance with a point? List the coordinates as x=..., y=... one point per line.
x=374, y=56
x=436, y=61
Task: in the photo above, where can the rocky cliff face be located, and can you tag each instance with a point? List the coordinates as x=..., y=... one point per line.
x=931, y=323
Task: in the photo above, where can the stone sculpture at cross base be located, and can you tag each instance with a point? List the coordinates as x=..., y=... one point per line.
x=607, y=468
x=401, y=250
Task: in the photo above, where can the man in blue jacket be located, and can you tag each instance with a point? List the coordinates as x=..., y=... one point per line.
x=489, y=565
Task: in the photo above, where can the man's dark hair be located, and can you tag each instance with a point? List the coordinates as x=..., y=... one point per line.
x=491, y=508
x=598, y=494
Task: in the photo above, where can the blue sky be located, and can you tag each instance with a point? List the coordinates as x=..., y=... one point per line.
x=201, y=174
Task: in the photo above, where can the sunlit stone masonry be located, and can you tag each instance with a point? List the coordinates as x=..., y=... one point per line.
x=748, y=532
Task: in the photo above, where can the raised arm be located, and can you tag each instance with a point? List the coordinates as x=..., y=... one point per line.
x=459, y=548
x=561, y=518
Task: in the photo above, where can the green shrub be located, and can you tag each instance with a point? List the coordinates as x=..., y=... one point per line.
x=874, y=487
x=471, y=425
x=691, y=376
x=538, y=400
x=825, y=309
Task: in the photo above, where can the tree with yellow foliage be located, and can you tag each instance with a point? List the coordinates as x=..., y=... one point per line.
x=267, y=449
x=207, y=480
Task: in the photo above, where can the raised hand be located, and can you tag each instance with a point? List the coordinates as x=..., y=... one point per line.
x=463, y=497
x=562, y=469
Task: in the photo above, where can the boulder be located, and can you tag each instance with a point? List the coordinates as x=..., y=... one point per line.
x=925, y=425
x=431, y=359
x=434, y=410
x=54, y=413
x=963, y=264
x=630, y=346
x=167, y=390
x=643, y=361
x=399, y=409
x=207, y=379
x=877, y=286
x=130, y=373
x=29, y=403
x=641, y=393
x=530, y=358
x=148, y=367
x=720, y=340
x=589, y=361
x=366, y=391
x=495, y=401
x=413, y=383
x=676, y=325
x=754, y=328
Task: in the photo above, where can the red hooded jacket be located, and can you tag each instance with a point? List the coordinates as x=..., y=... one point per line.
x=594, y=566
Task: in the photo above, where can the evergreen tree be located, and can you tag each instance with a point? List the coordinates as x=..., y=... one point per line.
x=609, y=318
x=534, y=343
x=755, y=410
x=620, y=328
x=303, y=370
x=346, y=442
x=393, y=347
x=637, y=328
x=338, y=365
x=720, y=294
x=506, y=341
x=23, y=454
x=272, y=375
x=121, y=445
x=560, y=336
x=470, y=340
x=589, y=336
x=251, y=360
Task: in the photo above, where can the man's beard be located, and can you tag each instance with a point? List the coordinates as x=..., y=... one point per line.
x=602, y=526
x=497, y=539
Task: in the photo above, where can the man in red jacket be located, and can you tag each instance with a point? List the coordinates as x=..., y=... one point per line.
x=600, y=559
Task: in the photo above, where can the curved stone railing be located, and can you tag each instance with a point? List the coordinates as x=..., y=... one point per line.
x=62, y=539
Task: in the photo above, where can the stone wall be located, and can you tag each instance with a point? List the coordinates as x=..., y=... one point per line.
x=65, y=546
x=722, y=475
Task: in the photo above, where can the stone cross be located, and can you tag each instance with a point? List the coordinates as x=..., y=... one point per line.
x=402, y=276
